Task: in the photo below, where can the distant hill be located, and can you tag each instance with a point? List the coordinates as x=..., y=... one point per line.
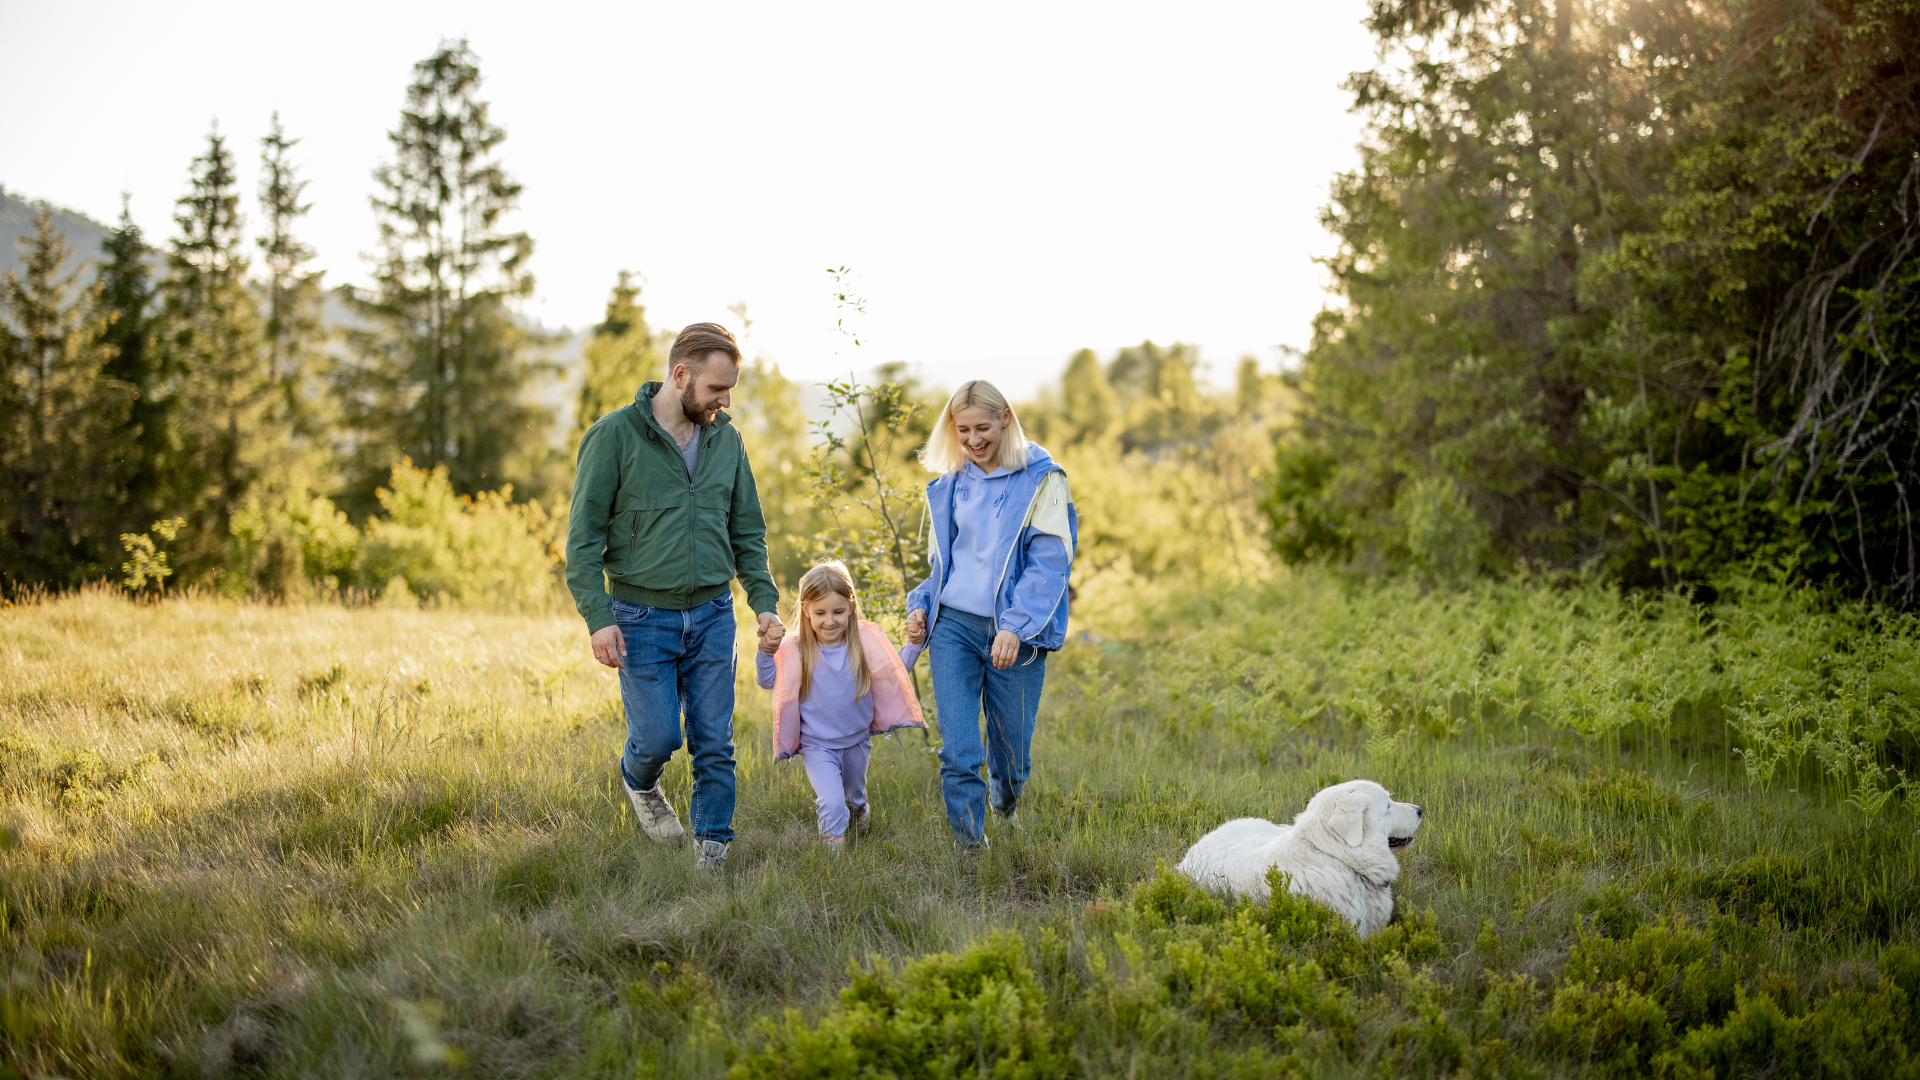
x=16, y=221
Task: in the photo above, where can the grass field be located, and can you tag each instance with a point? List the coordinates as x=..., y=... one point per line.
x=316, y=841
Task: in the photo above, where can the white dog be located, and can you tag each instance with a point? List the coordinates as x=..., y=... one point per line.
x=1339, y=851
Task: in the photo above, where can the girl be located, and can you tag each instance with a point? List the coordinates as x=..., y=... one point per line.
x=835, y=683
x=1001, y=545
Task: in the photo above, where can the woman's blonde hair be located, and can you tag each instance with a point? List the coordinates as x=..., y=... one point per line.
x=831, y=577
x=943, y=454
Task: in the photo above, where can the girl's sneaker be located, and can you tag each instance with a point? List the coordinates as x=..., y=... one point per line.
x=835, y=844
x=864, y=817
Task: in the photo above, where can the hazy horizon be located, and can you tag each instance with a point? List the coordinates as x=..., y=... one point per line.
x=1008, y=184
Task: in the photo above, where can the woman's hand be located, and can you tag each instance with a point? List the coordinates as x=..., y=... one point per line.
x=916, y=626
x=1006, y=648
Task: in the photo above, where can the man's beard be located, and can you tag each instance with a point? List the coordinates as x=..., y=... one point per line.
x=689, y=406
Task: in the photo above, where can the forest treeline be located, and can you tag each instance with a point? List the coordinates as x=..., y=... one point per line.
x=1627, y=284
x=213, y=425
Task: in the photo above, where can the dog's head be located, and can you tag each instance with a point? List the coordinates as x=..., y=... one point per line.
x=1360, y=824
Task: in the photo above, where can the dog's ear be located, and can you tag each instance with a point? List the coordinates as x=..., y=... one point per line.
x=1348, y=818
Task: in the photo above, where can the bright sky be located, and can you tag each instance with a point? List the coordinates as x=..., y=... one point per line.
x=1009, y=181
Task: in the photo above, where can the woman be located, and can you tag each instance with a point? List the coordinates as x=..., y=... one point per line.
x=1001, y=548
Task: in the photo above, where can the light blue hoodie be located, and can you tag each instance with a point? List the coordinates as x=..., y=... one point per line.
x=1030, y=594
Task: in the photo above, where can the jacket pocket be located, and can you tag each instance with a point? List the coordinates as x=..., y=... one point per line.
x=712, y=537
x=656, y=555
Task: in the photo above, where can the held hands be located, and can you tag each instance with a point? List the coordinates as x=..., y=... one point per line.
x=771, y=632
x=916, y=626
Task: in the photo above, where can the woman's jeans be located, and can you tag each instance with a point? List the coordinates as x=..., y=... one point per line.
x=965, y=681
x=681, y=661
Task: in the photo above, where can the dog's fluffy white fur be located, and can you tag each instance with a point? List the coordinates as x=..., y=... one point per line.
x=1339, y=851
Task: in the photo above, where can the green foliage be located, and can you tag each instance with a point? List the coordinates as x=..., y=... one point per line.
x=124, y=303
x=292, y=330
x=622, y=353
x=146, y=563
x=61, y=421
x=225, y=434
x=480, y=549
x=980, y=1013
x=1623, y=284
x=773, y=425
x=298, y=545
x=442, y=373
x=872, y=514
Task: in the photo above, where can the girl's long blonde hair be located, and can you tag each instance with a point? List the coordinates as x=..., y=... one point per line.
x=832, y=577
x=943, y=454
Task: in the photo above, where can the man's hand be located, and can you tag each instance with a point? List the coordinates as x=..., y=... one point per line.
x=916, y=626
x=1006, y=648
x=610, y=646
x=771, y=632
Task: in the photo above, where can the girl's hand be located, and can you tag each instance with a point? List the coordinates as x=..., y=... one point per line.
x=1006, y=648
x=916, y=626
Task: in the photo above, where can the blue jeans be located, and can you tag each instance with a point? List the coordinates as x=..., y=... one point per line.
x=681, y=661
x=965, y=680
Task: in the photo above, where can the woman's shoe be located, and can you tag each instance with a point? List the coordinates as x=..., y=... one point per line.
x=865, y=817
x=835, y=844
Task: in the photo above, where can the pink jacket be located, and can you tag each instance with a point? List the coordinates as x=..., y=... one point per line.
x=894, y=705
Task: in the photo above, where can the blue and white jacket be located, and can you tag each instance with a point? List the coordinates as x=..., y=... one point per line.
x=1030, y=599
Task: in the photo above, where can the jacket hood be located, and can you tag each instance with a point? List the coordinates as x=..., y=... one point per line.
x=644, y=399
x=1037, y=455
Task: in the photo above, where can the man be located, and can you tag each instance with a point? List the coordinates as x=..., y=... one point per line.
x=665, y=514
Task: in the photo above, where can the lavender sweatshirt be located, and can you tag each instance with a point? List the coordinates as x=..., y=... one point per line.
x=831, y=718
x=978, y=499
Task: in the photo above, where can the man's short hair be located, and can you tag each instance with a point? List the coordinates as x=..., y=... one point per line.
x=699, y=340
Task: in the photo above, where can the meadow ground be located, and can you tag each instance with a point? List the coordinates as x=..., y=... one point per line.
x=319, y=841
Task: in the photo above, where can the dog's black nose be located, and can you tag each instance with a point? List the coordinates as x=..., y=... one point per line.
x=1417, y=811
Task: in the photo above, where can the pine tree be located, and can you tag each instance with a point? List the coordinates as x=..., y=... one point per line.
x=622, y=353
x=123, y=304
x=61, y=421
x=293, y=298
x=223, y=413
x=441, y=376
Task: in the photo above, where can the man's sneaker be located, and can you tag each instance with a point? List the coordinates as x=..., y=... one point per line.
x=711, y=855
x=865, y=817
x=973, y=847
x=656, y=815
x=1011, y=819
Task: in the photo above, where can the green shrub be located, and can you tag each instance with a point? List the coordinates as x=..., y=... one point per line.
x=482, y=549
x=977, y=1014
x=1670, y=963
x=1613, y=1028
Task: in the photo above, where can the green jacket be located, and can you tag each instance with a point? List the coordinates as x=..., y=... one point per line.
x=642, y=532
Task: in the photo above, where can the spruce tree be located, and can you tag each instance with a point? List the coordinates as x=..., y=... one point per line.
x=61, y=421
x=622, y=353
x=441, y=374
x=123, y=304
x=293, y=328
x=227, y=435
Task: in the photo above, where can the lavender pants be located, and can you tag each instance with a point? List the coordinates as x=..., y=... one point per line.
x=839, y=779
